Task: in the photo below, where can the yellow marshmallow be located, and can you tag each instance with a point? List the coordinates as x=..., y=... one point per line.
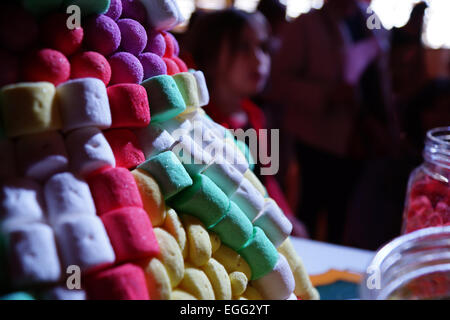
x=152, y=197
x=215, y=241
x=170, y=255
x=197, y=283
x=198, y=238
x=219, y=279
x=179, y=294
x=255, y=182
x=173, y=225
x=252, y=294
x=158, y=281
x=232, y=261
x=239, y=283
x=29, y=108
x=303, y=285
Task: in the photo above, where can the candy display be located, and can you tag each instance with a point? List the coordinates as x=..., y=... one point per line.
x=101, y=167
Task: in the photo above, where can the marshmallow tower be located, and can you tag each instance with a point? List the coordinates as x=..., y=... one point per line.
x=110, y=166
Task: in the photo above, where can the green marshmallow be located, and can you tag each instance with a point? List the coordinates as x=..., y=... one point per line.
x=187, y=85
x=41, y=7
x=259, y=253
x=169, y=172
x=246, y=152
x=203, y=200
x=165, y=99
x=89, y=7
x=17, y=296
x=235, y=229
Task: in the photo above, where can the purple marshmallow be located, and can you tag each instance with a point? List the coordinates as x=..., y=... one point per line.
x=155, y=43
x=134, y=36
x=176, y=46
x=115, y=9
x=102, y=34
x=134, y=9
x=125, y=68
x=153, y=65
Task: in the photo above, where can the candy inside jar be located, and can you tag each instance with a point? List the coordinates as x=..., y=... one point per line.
x=428, y=197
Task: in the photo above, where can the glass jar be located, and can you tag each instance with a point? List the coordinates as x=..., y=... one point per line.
x=428, y=197
x=415, y=266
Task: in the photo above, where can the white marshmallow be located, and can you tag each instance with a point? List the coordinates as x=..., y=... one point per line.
x=163, y=14
x=7, y=159
x=277, y=284
x=233, y=155
x=191, y=155
x=84, y=242
x=154, y=140
x=63, y=293
x=42, y=155
x=224, y=175
x=273, y=222
x=292, y=297
x=33, y=258
x=21, y=200
x=248, y=199
x=89, y=150
x=67, y=194
x=84, y=103
x=203, y=93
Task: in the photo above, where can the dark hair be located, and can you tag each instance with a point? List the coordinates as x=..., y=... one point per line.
x=273, y=10
x=209, y=31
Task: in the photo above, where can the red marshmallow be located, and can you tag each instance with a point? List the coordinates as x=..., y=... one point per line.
x=46, y=65
x=172, y=67
x=131, y=234
x=180, y=63
x=125, y=282
x=129, y=106
x=125, y=146
x=57, y=36
x=114, y=188
x=90, y=64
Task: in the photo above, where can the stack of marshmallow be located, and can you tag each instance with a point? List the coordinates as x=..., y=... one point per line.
x=68, y=197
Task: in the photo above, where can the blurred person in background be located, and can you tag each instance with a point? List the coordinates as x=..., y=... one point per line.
x=331, y=75
x=232, y=48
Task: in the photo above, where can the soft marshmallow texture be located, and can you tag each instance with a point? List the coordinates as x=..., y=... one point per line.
x=166, y=100
x=191, y=155
x=90, y=64
x=67, y=194
x=226, y=176
x=203, y=200
x=248, y=199
x=115, y=9
x=21, y=200
x=89, y=150
x=32, y=255
x=129, y=106
x=125, y=146
x=278, y=284
x=83, y=242
x=114, y=188
x=168, y=172
x=259, y=253
x=29, y=108
x=84, y=103
x=202, y=88
x=156, y=43
x=131, y=234
x=153, y=65
x=163, y=14
x=154, y=140
x=46, y=65
x=63, y=293
x=42, y=155
x=102, y=34
x=187, y=85
x=134, y=36
x=274, y=223
x=124, y=282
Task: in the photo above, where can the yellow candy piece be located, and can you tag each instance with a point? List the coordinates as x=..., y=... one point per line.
x=215, y=241
x=303, y=285
x=252, y=294
x=151, y=195
x=170, y=255
x=197, y=283
x=232, y=261
x=255, y=182
x=219, y=279
x=198, y=238
x=29, y=108
x=179, y=294
x=158, y=281
x=173, y=225
x=239, y=283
